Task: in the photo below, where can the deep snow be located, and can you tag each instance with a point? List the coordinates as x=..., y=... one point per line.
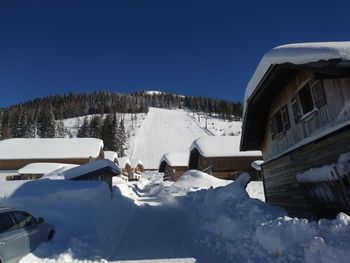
x=197, y=219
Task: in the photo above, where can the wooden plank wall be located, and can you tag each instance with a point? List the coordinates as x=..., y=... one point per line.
x=281, y=185
x=337, y=91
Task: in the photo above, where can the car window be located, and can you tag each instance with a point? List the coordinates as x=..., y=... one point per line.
x=6, y=222
x=22, y=218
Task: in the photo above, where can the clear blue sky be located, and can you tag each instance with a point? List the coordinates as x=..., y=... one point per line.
x=208, y=48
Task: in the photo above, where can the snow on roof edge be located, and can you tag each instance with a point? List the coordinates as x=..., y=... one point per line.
x=297, y=53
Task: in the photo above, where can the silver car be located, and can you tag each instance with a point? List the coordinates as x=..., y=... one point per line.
x=21, y=233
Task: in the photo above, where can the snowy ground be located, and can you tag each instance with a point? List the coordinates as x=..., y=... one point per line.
x=197, y=219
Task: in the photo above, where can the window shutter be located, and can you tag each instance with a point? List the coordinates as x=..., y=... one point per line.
x=318, y=94
x=295, y=109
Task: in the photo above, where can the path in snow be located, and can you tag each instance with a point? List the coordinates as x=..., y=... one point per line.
x=164, y=131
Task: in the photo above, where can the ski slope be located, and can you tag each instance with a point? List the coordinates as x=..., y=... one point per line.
x=164, y=131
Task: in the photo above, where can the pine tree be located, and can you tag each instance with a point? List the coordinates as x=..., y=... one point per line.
x=95, y=127
x=84, y=129
x=107, y=133
x=60, y=129
x=122, y=138
x=46, y=124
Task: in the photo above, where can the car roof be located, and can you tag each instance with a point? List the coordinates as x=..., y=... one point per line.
x=5, y=208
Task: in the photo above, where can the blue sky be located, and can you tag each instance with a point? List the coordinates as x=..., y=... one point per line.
x=208, y=48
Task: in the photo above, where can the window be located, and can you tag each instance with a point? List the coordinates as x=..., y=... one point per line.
x=6, y=222
x=22, y=218
x=310, y=97
x=296, y=109
x=280, y=122
x=305, y=98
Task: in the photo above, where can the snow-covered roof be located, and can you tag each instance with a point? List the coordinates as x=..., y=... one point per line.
x=49, y=148
x=257, y=164
x=221, y=146
x=110, y=155
x=297, y=54
x=123, y=161
x=90, y=167
x=135, y=162
x=176, y=158
x=43, y=168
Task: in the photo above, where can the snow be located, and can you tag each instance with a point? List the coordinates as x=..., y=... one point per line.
x=43, y=168
x=221, y=146
x=123, y=161
x=49, y=148
x=257, y=164
x=327, y=172
x=88, y=168
x=300, y=53
x=134, y=163
x=110, y=155
x=163, y=131
x=176, y=159
x=205, y=220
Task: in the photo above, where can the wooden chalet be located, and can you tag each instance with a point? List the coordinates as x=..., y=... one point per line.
x=297, y=112
x=173, y=165
x=136, y=169
x=100, y=170
x=125, y=166
x=18, y=152
x=112, y=156
x=220, y=157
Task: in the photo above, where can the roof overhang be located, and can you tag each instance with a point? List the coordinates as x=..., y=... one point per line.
x=275, y=79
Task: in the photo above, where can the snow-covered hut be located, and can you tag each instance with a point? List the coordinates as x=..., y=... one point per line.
x=18, y=152
x=125, y=166
x=112, y=156
x=173, y=165
x=136, y=169
x=221, y=157
x=37, y=170
x=100, y=170
x=297, y=112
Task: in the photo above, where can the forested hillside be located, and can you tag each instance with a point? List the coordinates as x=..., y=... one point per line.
x=41, y=117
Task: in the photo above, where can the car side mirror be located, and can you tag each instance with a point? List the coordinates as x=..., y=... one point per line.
x=40, y=220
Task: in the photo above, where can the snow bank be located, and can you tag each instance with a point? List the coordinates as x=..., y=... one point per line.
x=300, y=53
x=248, y=230
x=221, y=146
x=110, y=155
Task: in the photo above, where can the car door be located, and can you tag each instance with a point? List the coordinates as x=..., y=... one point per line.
x=12, y=239
x=31, y=228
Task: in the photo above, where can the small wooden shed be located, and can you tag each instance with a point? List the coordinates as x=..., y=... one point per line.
x=18, y=152
x=173, y=165
x=220, y=157
x=125, y=166
x=136, y=169
x=100, y=170
x=297, y=112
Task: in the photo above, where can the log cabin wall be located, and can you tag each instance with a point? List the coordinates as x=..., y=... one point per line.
x=18, y=164
x=337, y=93
x=282, y=187
x=228, y=167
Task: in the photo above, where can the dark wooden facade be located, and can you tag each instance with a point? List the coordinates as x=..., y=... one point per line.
x=17, y=164
x=307, y=135
x=223, y=167
x=171, y=173
x=104, y=174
